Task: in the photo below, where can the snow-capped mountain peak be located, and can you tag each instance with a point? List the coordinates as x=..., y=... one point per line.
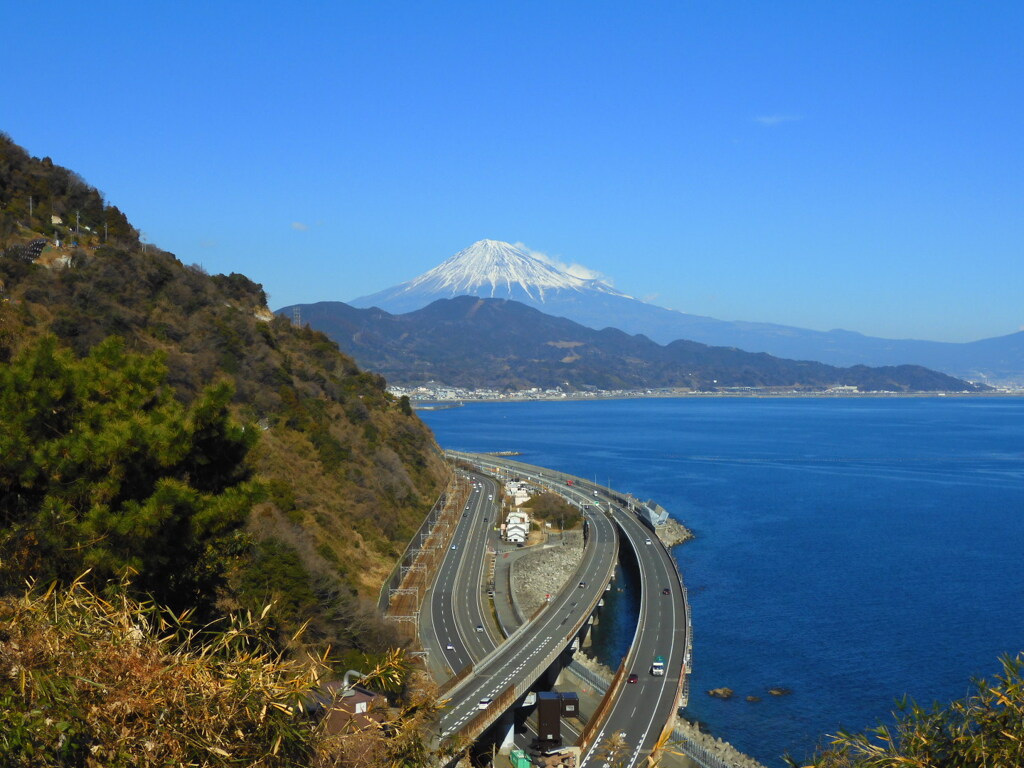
x=496, y=269
x=492, y=269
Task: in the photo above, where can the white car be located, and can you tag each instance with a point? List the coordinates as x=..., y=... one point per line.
x=484, y=703
x=449, y=647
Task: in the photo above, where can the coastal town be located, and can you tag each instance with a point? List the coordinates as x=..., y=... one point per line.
x=434, y=395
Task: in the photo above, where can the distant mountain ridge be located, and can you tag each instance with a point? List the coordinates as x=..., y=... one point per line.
x=492, y=269
x=497, y=343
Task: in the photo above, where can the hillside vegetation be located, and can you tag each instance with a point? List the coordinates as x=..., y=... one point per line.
x=216, y=451
x=495, y=343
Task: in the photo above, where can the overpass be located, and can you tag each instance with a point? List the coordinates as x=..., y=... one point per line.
x=638, y=713
x=493, y=680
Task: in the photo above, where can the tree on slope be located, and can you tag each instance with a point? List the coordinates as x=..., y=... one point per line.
x=102, y=468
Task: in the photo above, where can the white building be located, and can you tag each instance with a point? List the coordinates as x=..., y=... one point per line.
x=517, y=527
x=519, y=492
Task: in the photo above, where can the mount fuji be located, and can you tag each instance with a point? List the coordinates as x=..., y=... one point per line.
x=490, y=269
x=493, y=269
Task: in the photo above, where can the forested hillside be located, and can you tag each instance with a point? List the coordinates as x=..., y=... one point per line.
x=219, y=453
x=500, y=344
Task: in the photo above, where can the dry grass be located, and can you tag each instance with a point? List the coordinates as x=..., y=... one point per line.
x=94, y=682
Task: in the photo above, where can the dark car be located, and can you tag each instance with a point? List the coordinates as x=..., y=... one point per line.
x=666, y=591
x=632, y=678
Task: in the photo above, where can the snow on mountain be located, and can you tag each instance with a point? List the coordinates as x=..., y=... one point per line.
x=489, y=269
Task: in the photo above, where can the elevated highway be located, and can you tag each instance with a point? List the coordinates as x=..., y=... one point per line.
x=494, y=680
x=637, y=712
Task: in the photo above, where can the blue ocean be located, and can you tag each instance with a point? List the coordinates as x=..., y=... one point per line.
x=850, y=550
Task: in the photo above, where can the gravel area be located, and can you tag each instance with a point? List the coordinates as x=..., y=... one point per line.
x=544, y=571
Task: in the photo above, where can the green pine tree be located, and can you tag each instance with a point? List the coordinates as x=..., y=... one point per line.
x=103, y=468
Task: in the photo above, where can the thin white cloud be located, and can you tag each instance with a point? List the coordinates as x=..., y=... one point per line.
x=300, y=226
x=772, y=120
x=574, y=269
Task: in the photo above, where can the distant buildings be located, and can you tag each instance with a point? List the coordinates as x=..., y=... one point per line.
x=520, y=493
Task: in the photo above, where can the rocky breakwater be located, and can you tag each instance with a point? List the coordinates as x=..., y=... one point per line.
x=698, y=742
x=543, y=570
x=673, y=532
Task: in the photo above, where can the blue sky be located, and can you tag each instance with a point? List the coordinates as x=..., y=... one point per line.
x=827, y=165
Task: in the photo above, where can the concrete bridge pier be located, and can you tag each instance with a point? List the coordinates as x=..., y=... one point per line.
x=506, y=731
x=585, y=637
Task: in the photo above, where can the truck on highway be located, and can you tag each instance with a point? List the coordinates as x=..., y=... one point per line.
x=658, y=665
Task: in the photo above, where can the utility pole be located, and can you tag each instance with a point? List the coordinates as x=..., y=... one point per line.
x=30, y=210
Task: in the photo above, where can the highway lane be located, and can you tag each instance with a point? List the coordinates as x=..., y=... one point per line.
x=472, y=614
x=529, y=651
x=642, y=709
x=454, y=604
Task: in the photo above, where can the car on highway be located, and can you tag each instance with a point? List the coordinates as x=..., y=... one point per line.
x=632, y=678
x=479, y=627
x=484, y=703
x=449, y=647
x=666, y=591
x=582, y=585
x=455, y=546
x=647, y=542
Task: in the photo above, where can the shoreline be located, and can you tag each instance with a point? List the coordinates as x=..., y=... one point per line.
x=437, y=403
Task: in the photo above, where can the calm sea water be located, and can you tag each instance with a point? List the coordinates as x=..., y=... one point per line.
x=850, y=550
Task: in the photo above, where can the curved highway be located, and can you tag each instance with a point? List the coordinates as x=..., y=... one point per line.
x=506, y=672
x=456, y=600
x=638, y=711
x=641, y=709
